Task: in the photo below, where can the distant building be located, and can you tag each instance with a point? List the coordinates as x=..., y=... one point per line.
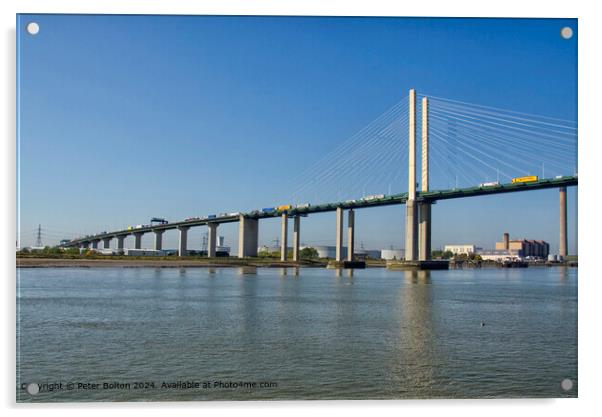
x=460, y=249
x=392, y=254
x=221, y=249
x=327, y=251
x=499, y=255
x=524, y=247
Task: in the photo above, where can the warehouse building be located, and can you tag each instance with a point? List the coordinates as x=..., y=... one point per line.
x=461, y=249
x=524, y=247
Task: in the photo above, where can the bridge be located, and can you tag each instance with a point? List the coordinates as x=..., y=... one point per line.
x=464, y=124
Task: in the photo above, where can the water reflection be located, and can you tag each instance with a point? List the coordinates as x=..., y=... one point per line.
x=416, y=358
x=247, y=270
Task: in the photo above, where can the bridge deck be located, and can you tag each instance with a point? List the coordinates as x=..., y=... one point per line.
x=430, y=196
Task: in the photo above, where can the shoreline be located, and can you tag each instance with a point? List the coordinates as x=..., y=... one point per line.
x=160, y=263
x=43, y=262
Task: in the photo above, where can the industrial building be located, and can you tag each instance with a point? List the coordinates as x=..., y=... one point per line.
x=461, y=249
x=523, y=247
x=392, y=254
x=499, y=255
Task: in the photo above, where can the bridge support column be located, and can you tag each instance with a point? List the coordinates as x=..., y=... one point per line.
x=424, y=228
x=95, y=244
x=411, y=209
x=85, y=245
x=350, y=235
x=284, y=237
x=138, y=240
x=120, y=245
x=106, y=242
x=211, y=239
x=296, y=237
x=183, y=243
x=425, y=232
x=563, y=245
x=339, y=240
x=248, y=233
x=159, y=239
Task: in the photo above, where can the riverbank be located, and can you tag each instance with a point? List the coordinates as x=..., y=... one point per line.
x=145, y=262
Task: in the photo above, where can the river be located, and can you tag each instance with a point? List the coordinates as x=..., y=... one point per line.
x=161, y=334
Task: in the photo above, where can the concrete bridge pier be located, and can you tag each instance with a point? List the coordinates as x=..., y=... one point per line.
x=183, y=242
x=284, y=237
x=425, y=232
x=248, y=234
x=563, y=245
x=424, y=227
x=95, y=243
x=138, y=240
x=120, y=243
x=211, y=239
x=85, y=245
x=350, y=235
x=106, y=242
x=339, y=239
x=159, y=239
x=296, y=237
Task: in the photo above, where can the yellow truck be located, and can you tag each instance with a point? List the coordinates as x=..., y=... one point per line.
x=529, y=178
x=284, y=207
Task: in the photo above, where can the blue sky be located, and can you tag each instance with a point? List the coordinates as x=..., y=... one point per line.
x=122, y=118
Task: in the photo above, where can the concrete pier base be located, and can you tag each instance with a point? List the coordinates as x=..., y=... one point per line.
x=296, y=238
x=411, y=231
x=563, y=244
x=211, y=239
x=248, y=236
x=346, y=264
x=158, y=239
x=284, y=237
x=183, y=241
x=418, y=265
x=351, y=235
x=120, y=243
x=424, y=227
x=138, y=240
x=339, y=238
x=106, y=242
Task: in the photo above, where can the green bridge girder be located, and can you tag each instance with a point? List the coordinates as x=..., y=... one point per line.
x=429, y=196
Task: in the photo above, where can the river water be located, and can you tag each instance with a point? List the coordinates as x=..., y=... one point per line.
x=136, y=334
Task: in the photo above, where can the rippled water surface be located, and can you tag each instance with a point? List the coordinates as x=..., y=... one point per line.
x=295, y=334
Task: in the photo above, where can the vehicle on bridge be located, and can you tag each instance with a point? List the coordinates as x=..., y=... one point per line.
x=528, y=178
x=373, y=197
x=211, y=216
x=189, y=219
x=302, y=206
x=158, y=220
x=284, y=207
x=489, y=184
x=268, y=209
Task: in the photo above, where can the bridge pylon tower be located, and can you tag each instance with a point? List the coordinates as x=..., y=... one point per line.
x=411, y=207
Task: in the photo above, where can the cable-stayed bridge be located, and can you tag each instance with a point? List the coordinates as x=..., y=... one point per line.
x=459, y=149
